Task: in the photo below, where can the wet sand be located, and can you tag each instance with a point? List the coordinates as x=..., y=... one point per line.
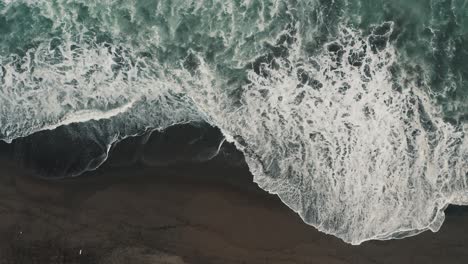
x=203, y=213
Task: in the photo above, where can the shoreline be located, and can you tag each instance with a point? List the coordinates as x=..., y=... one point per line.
x=200, y=213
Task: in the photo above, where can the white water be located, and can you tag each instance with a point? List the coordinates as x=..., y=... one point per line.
x=359, y=163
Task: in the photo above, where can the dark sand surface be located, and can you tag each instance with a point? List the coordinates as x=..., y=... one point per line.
x=204, y=213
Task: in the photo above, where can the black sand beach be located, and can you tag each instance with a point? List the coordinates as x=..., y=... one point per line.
x=203, y=213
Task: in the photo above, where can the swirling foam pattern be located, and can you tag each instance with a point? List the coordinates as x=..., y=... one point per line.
x=353, y=112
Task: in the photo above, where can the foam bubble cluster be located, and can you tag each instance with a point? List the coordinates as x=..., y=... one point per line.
x=342, y=144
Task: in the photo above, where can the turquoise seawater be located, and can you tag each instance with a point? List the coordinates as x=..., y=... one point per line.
x=354, y=112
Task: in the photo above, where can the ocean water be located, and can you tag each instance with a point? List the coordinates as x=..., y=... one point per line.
x=353, y=112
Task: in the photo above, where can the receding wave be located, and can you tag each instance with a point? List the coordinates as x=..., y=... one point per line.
x=356, y=126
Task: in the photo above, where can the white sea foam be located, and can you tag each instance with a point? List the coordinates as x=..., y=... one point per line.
x=341, y=145
x=82, y=116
